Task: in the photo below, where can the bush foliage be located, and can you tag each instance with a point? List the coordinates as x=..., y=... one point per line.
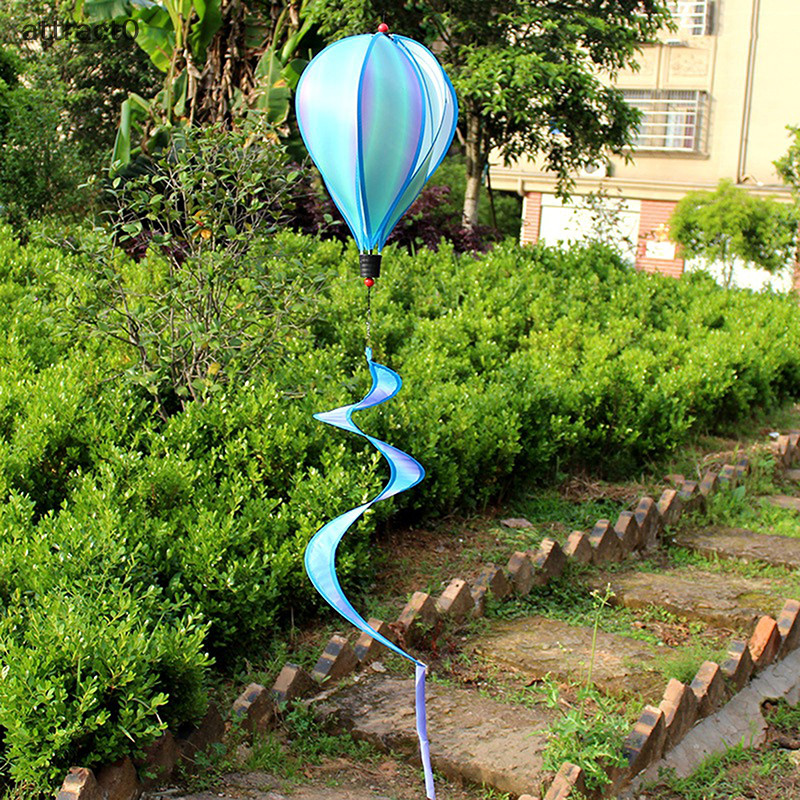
x=137, y=547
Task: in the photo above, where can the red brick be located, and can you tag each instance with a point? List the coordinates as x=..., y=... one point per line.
x=627, y=530
x=709, y=484
x=118, y=781
x=785, y=450
x=549, y=560
x=495, y=580
x=569, y=782
x=367, y=648
x=578, y=548
x=80, y=784
x=479, y=595
x=210, y=731
x=709, y=688
x=690, y=495
x=742, y=468
x=419, y=613
x=292, y=683
x=670, y=506
x=645, y=743
x=456, y=600
x=765, y=643
x=680, y=712
x=605, y=543
x=158, y=761
x=789, y=626
x=649, y=523
x=255, y=708
x=727, y=476
x=520, y=568
x=738, y=667
x=337, y=660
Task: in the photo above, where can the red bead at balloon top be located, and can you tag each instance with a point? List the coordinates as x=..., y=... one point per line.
x=369, y=283
x=383, y=28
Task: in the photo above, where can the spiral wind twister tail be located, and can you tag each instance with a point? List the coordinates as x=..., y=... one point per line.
x=320, y=555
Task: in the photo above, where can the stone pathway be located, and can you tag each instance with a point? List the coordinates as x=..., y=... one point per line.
x=718, y=599
x=472, y=737
x=737, y=543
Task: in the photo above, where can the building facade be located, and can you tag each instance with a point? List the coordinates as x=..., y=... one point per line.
x=716, y=97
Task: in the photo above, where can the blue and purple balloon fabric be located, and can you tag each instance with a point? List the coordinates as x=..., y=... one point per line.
x=377, y=113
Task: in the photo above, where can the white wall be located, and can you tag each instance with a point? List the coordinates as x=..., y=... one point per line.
x=577, y=222
x=745, y=277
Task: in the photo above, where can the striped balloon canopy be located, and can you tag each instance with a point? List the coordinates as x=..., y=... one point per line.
x=377, y=113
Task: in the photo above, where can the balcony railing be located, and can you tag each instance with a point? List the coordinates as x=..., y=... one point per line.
x=693, y=17
x=672, y=120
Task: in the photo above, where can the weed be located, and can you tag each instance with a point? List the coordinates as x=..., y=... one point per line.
x=567, y=599
x=783, y=716
x=589, y=734
x=550, y=507
x=683, y=663
x=311, y=742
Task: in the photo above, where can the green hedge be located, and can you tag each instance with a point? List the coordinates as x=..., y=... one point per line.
x=137, y=549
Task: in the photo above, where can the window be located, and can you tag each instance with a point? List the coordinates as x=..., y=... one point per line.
x=692, y=16
x=671, y=120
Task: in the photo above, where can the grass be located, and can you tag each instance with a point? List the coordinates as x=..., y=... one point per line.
x=735, y=773
x=591, y=732
x=551, y=508
x=746, y=507
x=300, y=741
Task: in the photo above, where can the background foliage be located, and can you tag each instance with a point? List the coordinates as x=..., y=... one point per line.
x=142, y=544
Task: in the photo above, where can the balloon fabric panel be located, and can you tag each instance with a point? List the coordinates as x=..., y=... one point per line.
x=326, y=109
x=377, y=114
x=391, y=116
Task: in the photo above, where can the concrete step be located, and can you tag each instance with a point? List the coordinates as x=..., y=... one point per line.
x=744, y=545
x=716, y=598
x=472, y=737
x=534, y=647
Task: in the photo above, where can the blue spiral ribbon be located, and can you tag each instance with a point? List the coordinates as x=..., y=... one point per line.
x=320, y=555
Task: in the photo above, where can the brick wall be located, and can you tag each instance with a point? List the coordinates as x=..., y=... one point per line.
x=653, y=222
x=531, y=216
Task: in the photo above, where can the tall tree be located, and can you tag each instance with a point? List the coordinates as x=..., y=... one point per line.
x=531, y=75
x=730, y=224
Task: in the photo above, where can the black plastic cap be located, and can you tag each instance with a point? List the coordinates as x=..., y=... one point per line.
x=370, y=264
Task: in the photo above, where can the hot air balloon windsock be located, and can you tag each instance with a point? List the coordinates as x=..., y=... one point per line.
x=377, y=113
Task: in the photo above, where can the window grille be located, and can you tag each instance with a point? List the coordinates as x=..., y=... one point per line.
x=671, y=120
x=691, y=16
